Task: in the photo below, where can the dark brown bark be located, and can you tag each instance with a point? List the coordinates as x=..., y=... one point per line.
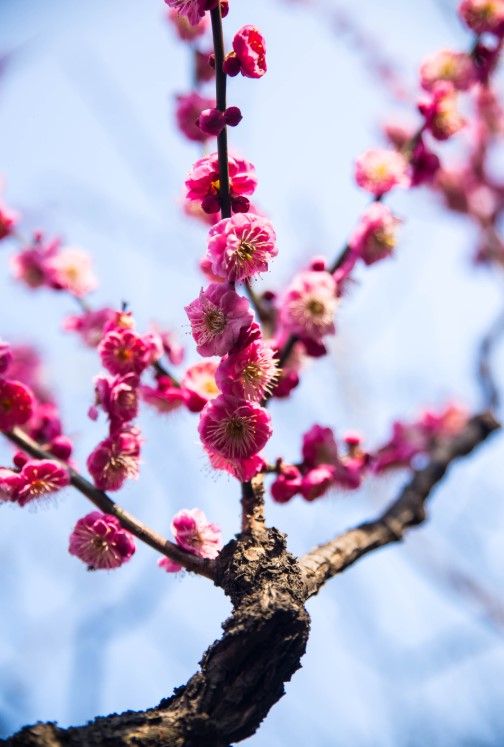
x=243, y=674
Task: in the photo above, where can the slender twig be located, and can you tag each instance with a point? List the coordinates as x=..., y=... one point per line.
x=325, y=561
x=220, y=91
x=486, y=378
x=102, y=501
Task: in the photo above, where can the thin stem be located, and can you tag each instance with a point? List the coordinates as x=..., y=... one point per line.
x=486, y=378
x=220, y=96
x=102, y=501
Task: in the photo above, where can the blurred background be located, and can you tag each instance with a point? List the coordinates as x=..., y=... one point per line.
x=407, y=647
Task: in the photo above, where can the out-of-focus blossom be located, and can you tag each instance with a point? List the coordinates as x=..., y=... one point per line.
x=375, y=236
x=309, y=304
x=379, y=170
x=187, y=113
x=16, y=404
x=456, y=68
x=199, y=385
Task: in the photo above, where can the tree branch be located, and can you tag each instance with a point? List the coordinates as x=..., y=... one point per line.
x=102, y=501
x=325, y=561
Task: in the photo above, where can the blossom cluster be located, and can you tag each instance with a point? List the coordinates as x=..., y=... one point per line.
x=29, y=479
x=194, y=534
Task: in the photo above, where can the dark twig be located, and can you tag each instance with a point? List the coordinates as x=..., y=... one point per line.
x=220, y=90
x=486, y=378
x=101, y=500
x=325, y=561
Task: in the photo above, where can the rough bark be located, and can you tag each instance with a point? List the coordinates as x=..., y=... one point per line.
x=243, y=674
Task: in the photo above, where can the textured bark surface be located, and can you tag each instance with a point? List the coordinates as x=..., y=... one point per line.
x=243, y=674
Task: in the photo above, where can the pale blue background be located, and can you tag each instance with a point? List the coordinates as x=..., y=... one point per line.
x=401, y=652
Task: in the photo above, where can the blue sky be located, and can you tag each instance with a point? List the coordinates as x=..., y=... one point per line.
x=398, y=655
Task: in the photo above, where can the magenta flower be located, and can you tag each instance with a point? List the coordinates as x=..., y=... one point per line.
x=115, y=459
x=309, y=304
x=8, y=220
x=70, y=270
x=483, y=16
x=39, y=477
x=439, y=108
x=172, y=347
x=199, y=385
x=122, y=351
x=90, y=325
x=319, y=447
x=118, y=396
x=100, y=541
x=378, y=170
x=165, y=397
x=287, y=484
x=317, y=481
x=217, y=319
x=193, y=10
x=203, y=183
x=194, y=534
x=241, y=246
x=375, y=236
x=30, y=265
x=243, y=469
x=456, y=68
x=187, y=112
x=185, y=30
x=169, y=565
x=249, y=373
x=5, y=356
x=9, y=481
x=250, y=49
x=16, y=404
x=234, y=428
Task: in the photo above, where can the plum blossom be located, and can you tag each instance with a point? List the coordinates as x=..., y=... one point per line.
x=309, y=304
x=203, y=183
x=100, y=541
x=456, y=68
x=187, y=112
x=317, y=481
x=240, y=247
x=483, y=16
x=165, y=397
x=379, y=170
x=234, y=428
x=375, y=236
x=16, y=404
x=193, y=10
x=185, y=30
x=5, y=356
x=8, y=220
x=30, y=265
x=115, y=459
x=287, y=484
x=122, y=351
x=70, y=270
x=193, y=533
x=218, y=317
x=249, y=373
x=37, y=478
x=243, y=469
x=118, y=396
x=249, y=47
x=439, y=108
x=90, y=325
x=199, y=385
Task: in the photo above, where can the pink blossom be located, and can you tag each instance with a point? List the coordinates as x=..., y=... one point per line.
x=115, y=459
x=375, y=236
x=169, y=565
x=100, y=541
x=194, y=534
x=455, y=67
x=406, y=442
x=30, y=265
x=8, y=220
x=439, y=108
x=317, y=481
x=120, y=320
x=37, y=478
x=217, y=319
x=193, y=10
x=187, y=112
x=234, y=428
x=154, y=343
x=9, y=481
x=241, y=246
x=249, y=373
x=45, y=423
x=378, y=170
x=70, y=270
x=483, y=16
x=5, y=356
x=203, y=183
x=309, y=304
x=16, y=404
x=61, y=447
x=118, y=396
x=89, y=325
x=199, y=385
x=423, y=163
x=319, y=447
x=443, y=424
x=249, y=47
x=287, y=484
x=165, y=397
x=243, y=469
x=123, y=352
x=172, y=347
x=185, y=30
